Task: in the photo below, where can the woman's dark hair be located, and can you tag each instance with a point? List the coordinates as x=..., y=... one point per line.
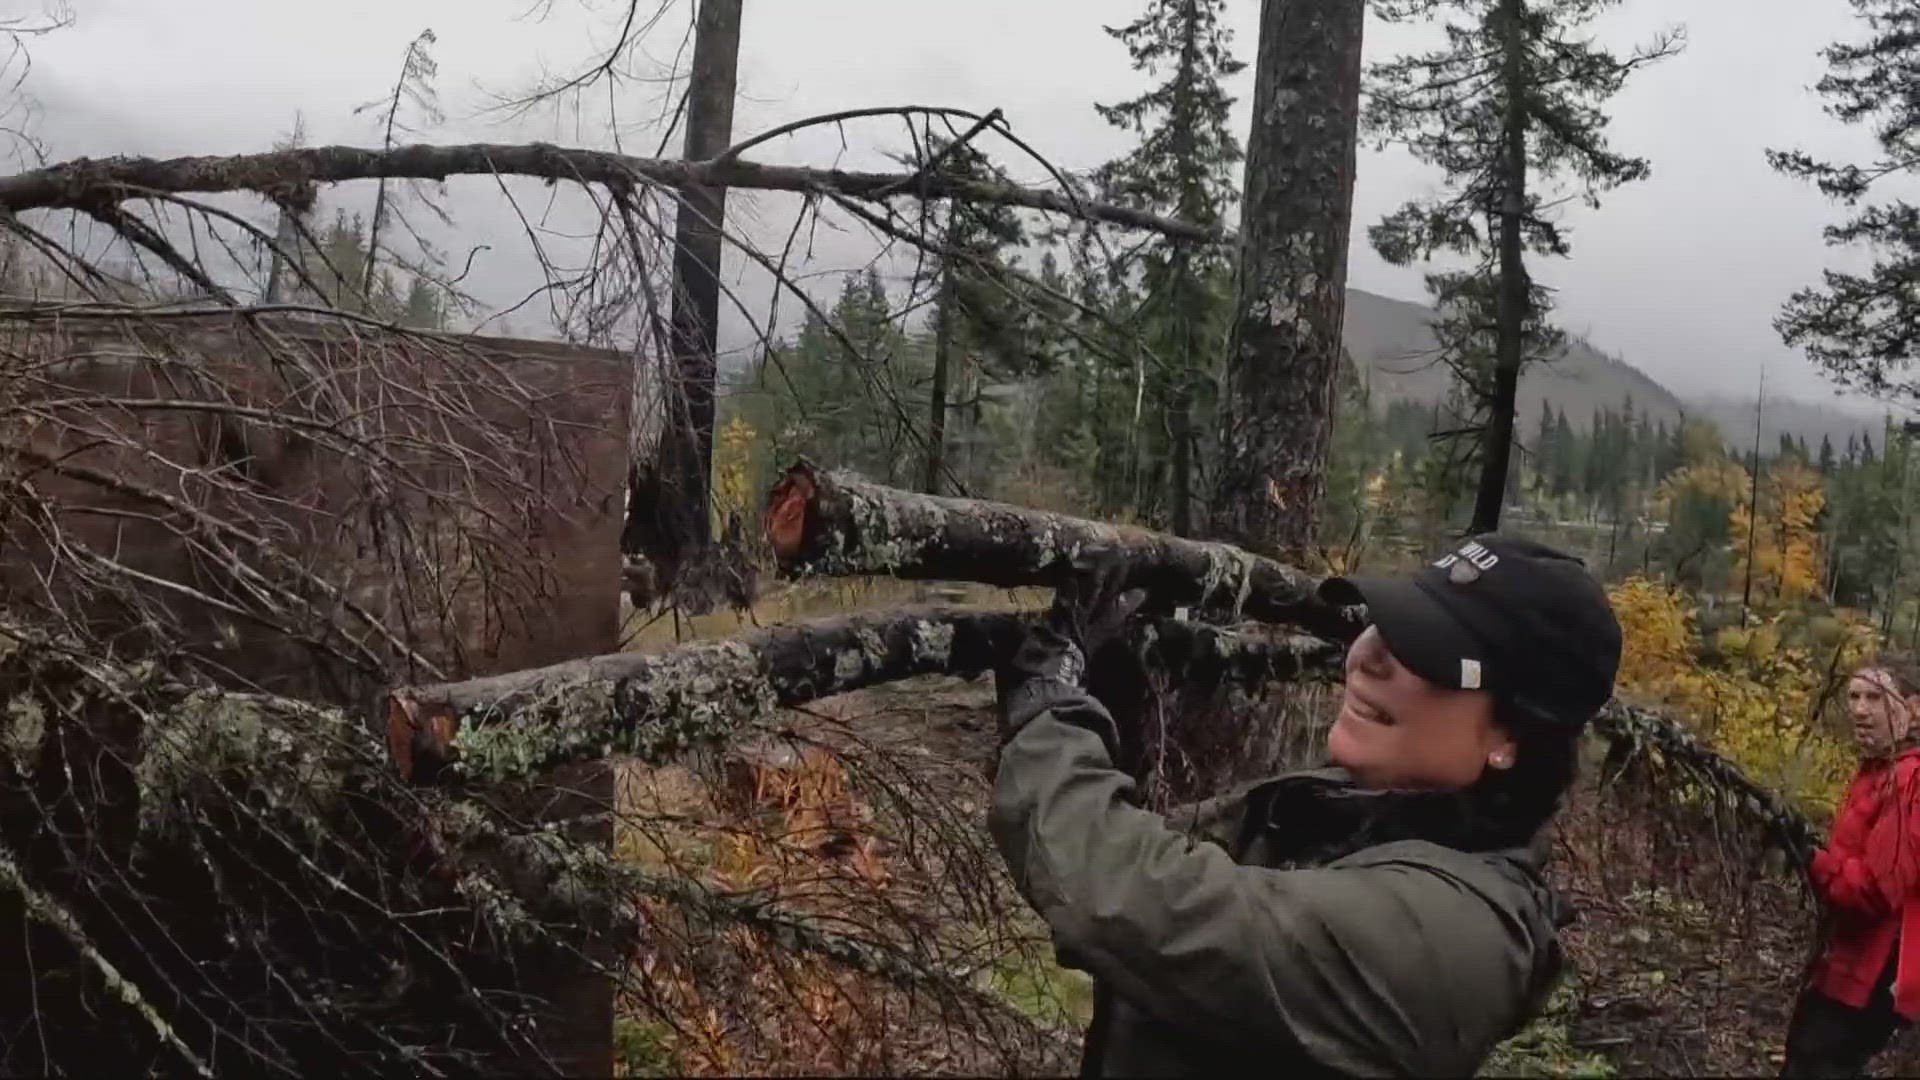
x=1512, y=805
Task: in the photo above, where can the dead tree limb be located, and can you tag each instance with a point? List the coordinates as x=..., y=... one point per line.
x=836, y=523
x=47, y=910
x=86, y=182
x=655, y=704
x=1636, y=733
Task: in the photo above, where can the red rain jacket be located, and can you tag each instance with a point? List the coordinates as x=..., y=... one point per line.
x=1867, y=874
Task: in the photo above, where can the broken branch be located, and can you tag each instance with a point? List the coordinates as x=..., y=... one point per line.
x=839, y=524
x=1636, y=732
x=45, y=909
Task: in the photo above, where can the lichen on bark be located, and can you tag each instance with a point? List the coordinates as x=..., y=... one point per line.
x=21, y=730
x=297, y=759
x=840, y=524
x=932, y=642
x=1285, y=347
x=698, y=693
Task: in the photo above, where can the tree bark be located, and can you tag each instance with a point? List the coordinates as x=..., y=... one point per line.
x=1180, y=427
x=84, y=182
x=837, y=523
x=653, y=704
x=1515, y=290
x=669, y=513
x=1286, y=341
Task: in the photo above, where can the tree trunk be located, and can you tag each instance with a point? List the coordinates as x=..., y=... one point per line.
x=942, y=358
x=1180, y=424
x=1286, y=343
x=1190, y=353
x=669, y=506
x=1516, y=292
x=840, y=524
x=286, y=237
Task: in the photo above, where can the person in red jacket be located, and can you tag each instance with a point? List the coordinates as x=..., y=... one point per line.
x=1865, y=985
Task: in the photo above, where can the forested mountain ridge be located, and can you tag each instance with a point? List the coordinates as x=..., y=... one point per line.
x=1392, y=345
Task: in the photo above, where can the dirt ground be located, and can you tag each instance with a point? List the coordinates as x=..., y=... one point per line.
x=1679, y=966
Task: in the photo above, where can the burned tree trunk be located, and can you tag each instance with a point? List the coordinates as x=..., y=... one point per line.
x=669, y=519
x=821, y=523
x=1286, y=343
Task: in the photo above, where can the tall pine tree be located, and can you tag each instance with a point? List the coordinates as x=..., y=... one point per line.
x=1185, y=166
x=1514, y=98
x=1862, y=327
x=975, y=313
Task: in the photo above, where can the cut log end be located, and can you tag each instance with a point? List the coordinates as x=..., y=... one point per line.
x=419, y=737
x=787, y=511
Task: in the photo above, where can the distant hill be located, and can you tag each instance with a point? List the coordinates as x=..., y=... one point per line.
x=1804, y=419
x=1392, y=345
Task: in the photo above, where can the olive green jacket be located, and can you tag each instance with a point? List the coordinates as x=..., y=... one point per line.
x=1214, y=949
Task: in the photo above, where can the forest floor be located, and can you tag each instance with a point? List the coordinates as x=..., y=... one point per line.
x=1680, y=963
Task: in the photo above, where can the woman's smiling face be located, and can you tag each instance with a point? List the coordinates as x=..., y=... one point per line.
x=1397, y=730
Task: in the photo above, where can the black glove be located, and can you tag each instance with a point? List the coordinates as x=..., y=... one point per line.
x=1086, y=624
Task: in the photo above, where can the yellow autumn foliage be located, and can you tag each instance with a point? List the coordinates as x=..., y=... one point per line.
x=1786, y=547
x=1711, y=477
x=732, y=466
x=1759, y=703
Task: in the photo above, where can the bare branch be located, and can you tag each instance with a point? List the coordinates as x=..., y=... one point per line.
x=84, y=182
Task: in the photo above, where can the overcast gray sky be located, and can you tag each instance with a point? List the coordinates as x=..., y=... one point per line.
x=1680, y=275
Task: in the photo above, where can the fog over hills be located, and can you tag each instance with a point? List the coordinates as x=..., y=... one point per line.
x=1393, y=346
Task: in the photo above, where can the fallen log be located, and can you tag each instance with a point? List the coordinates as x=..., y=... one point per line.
x=839, y=524
x=653, y=705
